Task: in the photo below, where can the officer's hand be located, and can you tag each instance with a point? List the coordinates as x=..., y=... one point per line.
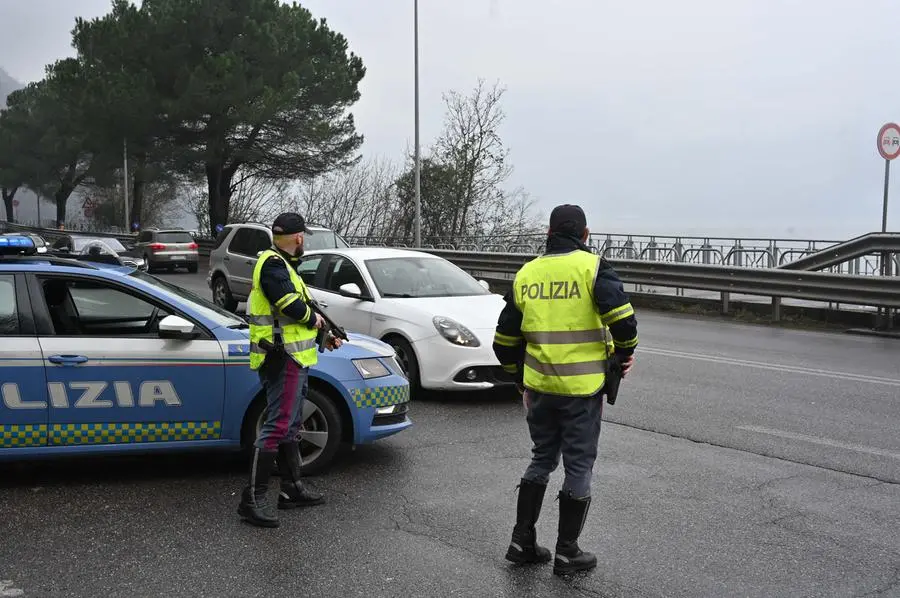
x=526, y=399
x=626, y=365
x=320, y=321
x=333, y=343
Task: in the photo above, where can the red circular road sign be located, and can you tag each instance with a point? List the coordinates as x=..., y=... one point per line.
x=889, y=141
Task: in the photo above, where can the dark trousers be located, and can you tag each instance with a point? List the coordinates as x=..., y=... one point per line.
x=285, y=392
x=567, y=426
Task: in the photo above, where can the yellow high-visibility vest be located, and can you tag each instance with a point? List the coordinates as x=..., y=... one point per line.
x=567, y=343
x=299, y=340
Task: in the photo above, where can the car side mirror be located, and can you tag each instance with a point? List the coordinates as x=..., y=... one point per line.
x=484, y=284
x=351, y=289
x=176, y=327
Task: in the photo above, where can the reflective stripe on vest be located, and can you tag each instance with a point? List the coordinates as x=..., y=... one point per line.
x=567, y=343
x=299, y=340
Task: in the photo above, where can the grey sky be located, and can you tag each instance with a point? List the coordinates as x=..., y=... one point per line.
x=753, y=117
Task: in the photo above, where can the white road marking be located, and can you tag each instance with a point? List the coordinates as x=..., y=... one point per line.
x=7, y=591
x=822, y=441
x=775, y=367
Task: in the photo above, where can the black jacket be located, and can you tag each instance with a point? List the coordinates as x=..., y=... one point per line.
x=610, y=297
x=275, y=283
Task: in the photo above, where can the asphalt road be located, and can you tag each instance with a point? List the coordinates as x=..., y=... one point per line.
x=739, y=461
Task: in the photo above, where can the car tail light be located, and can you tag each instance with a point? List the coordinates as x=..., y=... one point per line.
x=156, y=246
x=193, y=246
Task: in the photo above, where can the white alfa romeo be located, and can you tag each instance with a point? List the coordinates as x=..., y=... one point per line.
x=438, y=318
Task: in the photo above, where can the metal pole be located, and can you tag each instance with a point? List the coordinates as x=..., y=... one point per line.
x=887, y=178
x=885, y=256
x=418, y=155
x=125, y=184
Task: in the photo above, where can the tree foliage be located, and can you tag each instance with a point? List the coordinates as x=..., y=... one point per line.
x=241, y=108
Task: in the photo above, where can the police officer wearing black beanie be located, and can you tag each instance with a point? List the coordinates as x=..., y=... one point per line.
x=565, y=318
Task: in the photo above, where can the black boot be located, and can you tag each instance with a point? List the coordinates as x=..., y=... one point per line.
x=569, y=557
x=293, y=493
x=255, y=506
x=523, y=547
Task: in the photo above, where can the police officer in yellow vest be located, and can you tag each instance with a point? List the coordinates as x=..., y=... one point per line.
x=565, y=317
x=283, y=331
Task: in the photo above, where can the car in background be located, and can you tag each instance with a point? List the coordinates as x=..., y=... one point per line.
x=233, y=257
x=75, y=244
x=439, y=319
x=40, y=244
x=105, y=359
x=168, y=249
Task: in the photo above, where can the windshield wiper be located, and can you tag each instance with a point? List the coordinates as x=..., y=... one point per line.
x=396, y=295
x=240, y=326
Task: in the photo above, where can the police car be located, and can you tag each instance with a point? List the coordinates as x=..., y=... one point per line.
x=102, y=358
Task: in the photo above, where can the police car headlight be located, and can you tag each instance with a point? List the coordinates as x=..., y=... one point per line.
x=455, y=332
x=370, y=368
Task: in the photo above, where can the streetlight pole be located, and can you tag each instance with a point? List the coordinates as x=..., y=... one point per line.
x=125, y=184
x=418, y=156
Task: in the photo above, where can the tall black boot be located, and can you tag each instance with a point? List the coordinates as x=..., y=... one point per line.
x=569, y=557
x=255, y=506
x=293, y=492
x=523, y=547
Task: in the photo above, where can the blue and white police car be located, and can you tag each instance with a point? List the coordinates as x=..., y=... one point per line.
x=102, y=358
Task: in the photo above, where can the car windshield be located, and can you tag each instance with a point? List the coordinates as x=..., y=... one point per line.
x=409, y=277
x=111, y=242
x=322, y=239
x=205, y=307
x=174, y=237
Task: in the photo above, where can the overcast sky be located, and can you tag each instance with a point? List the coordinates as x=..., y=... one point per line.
x=754, y=117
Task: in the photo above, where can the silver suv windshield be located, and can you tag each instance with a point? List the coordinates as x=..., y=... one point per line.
x=207, y=308
x=322, y=239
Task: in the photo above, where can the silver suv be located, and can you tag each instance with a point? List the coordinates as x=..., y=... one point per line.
x=233, y=257
x=168, y=249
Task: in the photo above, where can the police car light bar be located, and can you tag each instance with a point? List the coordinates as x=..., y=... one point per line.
x=17, y=245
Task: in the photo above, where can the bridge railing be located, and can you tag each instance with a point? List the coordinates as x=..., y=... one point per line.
x=722, y=251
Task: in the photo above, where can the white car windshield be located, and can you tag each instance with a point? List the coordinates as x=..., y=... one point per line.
x=410, y=277
x=207, y=308
x=111, y=242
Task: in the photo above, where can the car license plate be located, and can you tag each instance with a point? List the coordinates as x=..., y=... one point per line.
x=177, y=258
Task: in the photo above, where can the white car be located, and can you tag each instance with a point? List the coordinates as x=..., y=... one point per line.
x=438, y=318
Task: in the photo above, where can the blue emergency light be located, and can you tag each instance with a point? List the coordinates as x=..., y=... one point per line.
x=17, y=245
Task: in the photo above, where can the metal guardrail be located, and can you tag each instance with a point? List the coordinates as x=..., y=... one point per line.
x=500, y=267
x=875, y=291
x=847, y=257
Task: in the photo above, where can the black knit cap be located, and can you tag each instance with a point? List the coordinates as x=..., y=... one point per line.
x=288, y=223
x=568, y=219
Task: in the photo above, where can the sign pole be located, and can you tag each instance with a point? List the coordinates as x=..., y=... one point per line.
x=889, y=148
x=887, y=180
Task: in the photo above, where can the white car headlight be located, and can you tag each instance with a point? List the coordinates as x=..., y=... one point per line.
x=370, y=368
x=455, y=332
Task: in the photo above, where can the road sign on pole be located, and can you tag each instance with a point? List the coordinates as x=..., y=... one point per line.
x=889, y=141
x=889, y=148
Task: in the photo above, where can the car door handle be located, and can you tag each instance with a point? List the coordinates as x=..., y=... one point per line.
x=226, y=259
x=322, y=304
x=67, y=359
x=249, y=262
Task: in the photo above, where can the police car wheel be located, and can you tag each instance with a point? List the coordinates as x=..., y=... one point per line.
x=320, y=435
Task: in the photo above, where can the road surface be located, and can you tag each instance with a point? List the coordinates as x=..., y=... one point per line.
x=738, y=461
